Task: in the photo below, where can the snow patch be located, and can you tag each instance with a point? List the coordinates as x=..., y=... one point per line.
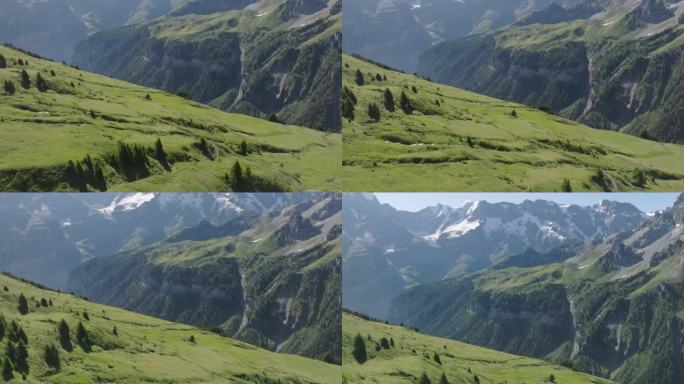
x=127, y=202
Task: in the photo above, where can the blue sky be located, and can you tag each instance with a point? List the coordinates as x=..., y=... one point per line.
x=647, y=202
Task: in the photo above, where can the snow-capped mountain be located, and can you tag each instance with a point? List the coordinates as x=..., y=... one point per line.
x=392, y=250
x=58, y=231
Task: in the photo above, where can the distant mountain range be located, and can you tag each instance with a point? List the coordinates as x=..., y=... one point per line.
x=263, y=268
x=387, y=251
x=53, y=27
x=396, y=32
x=611, y=307
x=609, y=64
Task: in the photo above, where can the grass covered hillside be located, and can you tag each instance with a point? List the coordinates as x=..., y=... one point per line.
x=272, y=281
x=440, y=138
x=394, y=354
x=74, y=130
x=613, y=64
x=267, y=58
x=117, y=346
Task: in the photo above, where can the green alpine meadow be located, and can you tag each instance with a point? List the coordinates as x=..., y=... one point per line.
x=52, y=337
x=69, y=130
x=170, y=288
x=377, y=352
x=402, y=132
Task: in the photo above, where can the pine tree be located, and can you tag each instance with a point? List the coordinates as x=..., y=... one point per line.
x=359, y=78
x=392, y=342
x=7, y=369
x=514, y=113
x=40, y=83
x=476, y=379
x=82, y=338
x=359, y=352
x=23, y=305
x=235, y=178
x=51, y=356
x=389, y=100
x=64, y=337
x=21, y=364
x=3, y=62
x=25, y=79
x=566, y=187
x=414, y=89
x=115, y=331
x=348, y=103
x=192, y=339
x=43, y=302
x=9, y=87
x=424, y=379
x=443, y=379
x=373, y=112
x=384, y=343
x=552, y=378
x=3, y=326
x=437, y=359
x=405, y=104
x=242, y=149
x=100, y=181
x=639, y=178
x=469, y=140
x=86, y=316
x=11, y=352
x=159, y=153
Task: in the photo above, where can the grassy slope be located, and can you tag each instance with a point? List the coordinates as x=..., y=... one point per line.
x=434, y=155
x=401, y=365
x=147, y=349
x=44, y=131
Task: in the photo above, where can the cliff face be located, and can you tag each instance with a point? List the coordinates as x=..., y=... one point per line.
x=277, y=57
x=273, y=280
x=612, y=69
x=610, y=309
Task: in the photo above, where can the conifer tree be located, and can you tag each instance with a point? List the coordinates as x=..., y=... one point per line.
x=566, y=187
x=405, y=104
x=359, y=351
x=242, y=150
x=159, y=153
x=51, y=356
x=115, y=331
x=639, y=178
x=21, y=364
x=348, y=103
x=25, y=79
x=7, y=369
x=437, y=359
x=64, y=336
x=3, y=326
x=424, y=379
x=9, y=87
x=11, y=352
x=43, y=302
x=389, y=100
x=443, y=379
x=235, y=178
x=359, y=78
x=3, y=62
x=41, y=85
x=82, y=338
x=373, y=112
x=23, y=304
x=100, y=181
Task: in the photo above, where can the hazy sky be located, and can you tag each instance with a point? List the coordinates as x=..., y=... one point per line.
x=647, y=202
